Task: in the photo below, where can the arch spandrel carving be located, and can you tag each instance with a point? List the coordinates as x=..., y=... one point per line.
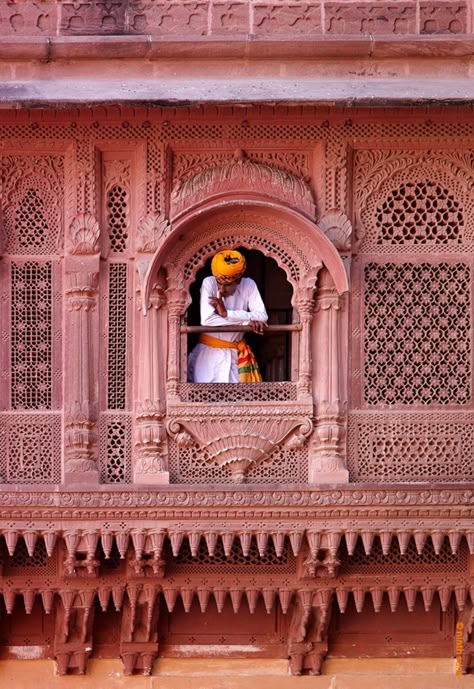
x=242, y=178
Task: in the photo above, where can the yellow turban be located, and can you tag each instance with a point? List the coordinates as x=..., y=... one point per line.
x=228, y=266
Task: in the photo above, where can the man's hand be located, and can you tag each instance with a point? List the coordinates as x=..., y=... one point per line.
x=257, y=326
x=218, y=304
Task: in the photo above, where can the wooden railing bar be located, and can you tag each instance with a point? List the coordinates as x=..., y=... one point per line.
x=294, y=327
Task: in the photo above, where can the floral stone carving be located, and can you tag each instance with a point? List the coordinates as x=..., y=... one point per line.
x=238, y=444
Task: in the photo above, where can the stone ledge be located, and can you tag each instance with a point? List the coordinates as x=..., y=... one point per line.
x=368, y=91
x=83, y=48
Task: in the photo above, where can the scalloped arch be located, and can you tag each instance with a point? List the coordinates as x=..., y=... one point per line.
x=296, y=243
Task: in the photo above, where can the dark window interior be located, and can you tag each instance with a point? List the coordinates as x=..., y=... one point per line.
x=273, y=351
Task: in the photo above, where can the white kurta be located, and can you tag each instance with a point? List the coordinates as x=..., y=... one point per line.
x=216, y=365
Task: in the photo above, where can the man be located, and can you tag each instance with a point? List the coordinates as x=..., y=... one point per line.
x=227, y=298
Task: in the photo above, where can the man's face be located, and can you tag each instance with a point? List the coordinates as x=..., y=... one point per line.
x=228, y=289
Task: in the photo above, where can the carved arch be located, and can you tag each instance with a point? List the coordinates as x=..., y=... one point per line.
x=297, y=244
x=37, y=183
x=378, y=171
x=302, y=250
x=242, y=177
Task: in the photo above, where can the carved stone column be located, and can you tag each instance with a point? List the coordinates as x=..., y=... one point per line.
x=150, y=460
x=304, y=303
x=150, y=465
x=81, y=374
x=326, y=451
x=176, y=299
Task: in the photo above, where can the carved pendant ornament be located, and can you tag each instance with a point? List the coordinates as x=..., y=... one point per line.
x=238, y=444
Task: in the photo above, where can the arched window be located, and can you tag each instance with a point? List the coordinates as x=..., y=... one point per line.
x=239, y=432
x=276, y=352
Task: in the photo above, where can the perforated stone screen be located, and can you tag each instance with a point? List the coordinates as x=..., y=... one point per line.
x=190, y=465
x=428, y=447
x=419, y=213
x=117, y=333
x=410, y=562
x=31, y=335
x=235, y=562
x=115, y=448
x=417, y=333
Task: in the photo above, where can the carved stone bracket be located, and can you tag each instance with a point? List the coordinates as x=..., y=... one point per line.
x=464, y=643
x=307, y=639
x=139, y=635
x=74, y=629
x=237, y=444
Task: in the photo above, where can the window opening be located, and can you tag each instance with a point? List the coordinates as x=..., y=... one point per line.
x=273, y=350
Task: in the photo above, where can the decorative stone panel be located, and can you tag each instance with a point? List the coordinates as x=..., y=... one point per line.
x=370, y=18
x=30, y=448
x=300, y=18
x=38, y=18
x=33, y=203
x=219, y=17
x=414, y=201
x=416, y=446
x=443, y=17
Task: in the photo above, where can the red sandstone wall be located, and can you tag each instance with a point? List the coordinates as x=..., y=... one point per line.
x=217, y=18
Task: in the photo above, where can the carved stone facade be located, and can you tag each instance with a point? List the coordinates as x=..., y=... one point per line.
x=216, y=17
x=121, y=525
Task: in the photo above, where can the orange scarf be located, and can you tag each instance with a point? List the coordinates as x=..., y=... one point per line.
x=246, y=362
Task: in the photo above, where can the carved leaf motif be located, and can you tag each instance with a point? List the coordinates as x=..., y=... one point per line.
x=337, y=227
x=242, y=175
x=151, y=231
x=84, y=233
x=373, y=167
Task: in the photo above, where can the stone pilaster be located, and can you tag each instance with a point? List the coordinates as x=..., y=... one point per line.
x=326, y=450
x=150, y=465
